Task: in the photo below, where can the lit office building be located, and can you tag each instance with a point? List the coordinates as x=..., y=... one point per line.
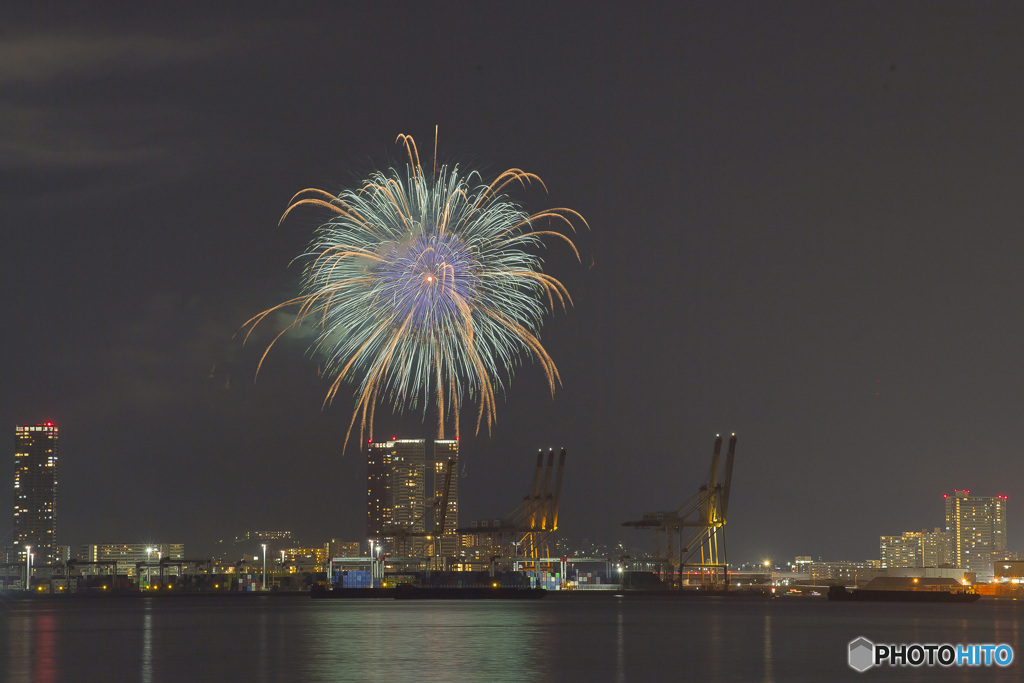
x=977, y=525
x=35, y=492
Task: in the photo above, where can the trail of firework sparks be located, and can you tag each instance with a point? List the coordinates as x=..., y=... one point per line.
x=426, y=289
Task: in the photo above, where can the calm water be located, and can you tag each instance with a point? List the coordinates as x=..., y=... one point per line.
x=555, y=639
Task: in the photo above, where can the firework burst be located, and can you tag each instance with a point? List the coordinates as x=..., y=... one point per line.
x=427, y=290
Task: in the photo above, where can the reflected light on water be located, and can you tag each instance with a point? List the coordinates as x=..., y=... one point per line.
x=769, y=675
x=146, y=673
x=382, y=640
x=559, y=638
x=620, y=645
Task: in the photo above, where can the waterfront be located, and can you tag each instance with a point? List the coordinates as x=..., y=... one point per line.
x=598, y=638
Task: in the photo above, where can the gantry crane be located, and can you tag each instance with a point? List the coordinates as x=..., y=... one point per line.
x=527, y=530
x=698, y=524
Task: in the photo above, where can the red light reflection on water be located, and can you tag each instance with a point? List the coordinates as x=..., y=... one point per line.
x=45, y=664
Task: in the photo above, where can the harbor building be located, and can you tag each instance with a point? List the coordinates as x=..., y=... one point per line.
x=97, y=558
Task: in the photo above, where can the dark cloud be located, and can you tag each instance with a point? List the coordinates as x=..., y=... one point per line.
x=48, y=59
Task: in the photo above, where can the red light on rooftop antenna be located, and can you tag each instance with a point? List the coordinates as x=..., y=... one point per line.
x=945, y=496
x=394, y=438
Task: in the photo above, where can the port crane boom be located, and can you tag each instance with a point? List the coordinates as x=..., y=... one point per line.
x=698, y=525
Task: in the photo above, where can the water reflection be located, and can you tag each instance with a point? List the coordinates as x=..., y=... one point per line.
x=146, y=674
x=718, y=647
x=19, y=648
x=261, y=669
x=31, y=647
x=769, y=674
x=562, y=638
x=620, y=643
x=449, y=641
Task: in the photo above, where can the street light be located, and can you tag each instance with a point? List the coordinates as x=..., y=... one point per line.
x=264, y=587
x=376, y=565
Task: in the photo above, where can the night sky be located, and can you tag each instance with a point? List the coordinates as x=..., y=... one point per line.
x=805, y=229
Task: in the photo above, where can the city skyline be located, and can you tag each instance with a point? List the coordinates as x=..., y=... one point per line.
x=803, y=229
x=399, y=472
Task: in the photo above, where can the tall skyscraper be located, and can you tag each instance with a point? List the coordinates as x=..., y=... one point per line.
x=35, y=492
x=978, y=528
x=378, y=489
x=396, y=484
x=396, y=473
x=408, y=484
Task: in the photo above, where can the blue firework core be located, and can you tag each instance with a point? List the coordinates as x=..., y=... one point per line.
x=430, y=279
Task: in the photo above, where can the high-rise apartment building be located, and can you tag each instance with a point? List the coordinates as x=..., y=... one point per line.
x=409, y=484
x=35, y=492
x=396, y=473
x=977, y=525
x=936, y=548
x=900, y=551
x=917, y=549
x=378, y=488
